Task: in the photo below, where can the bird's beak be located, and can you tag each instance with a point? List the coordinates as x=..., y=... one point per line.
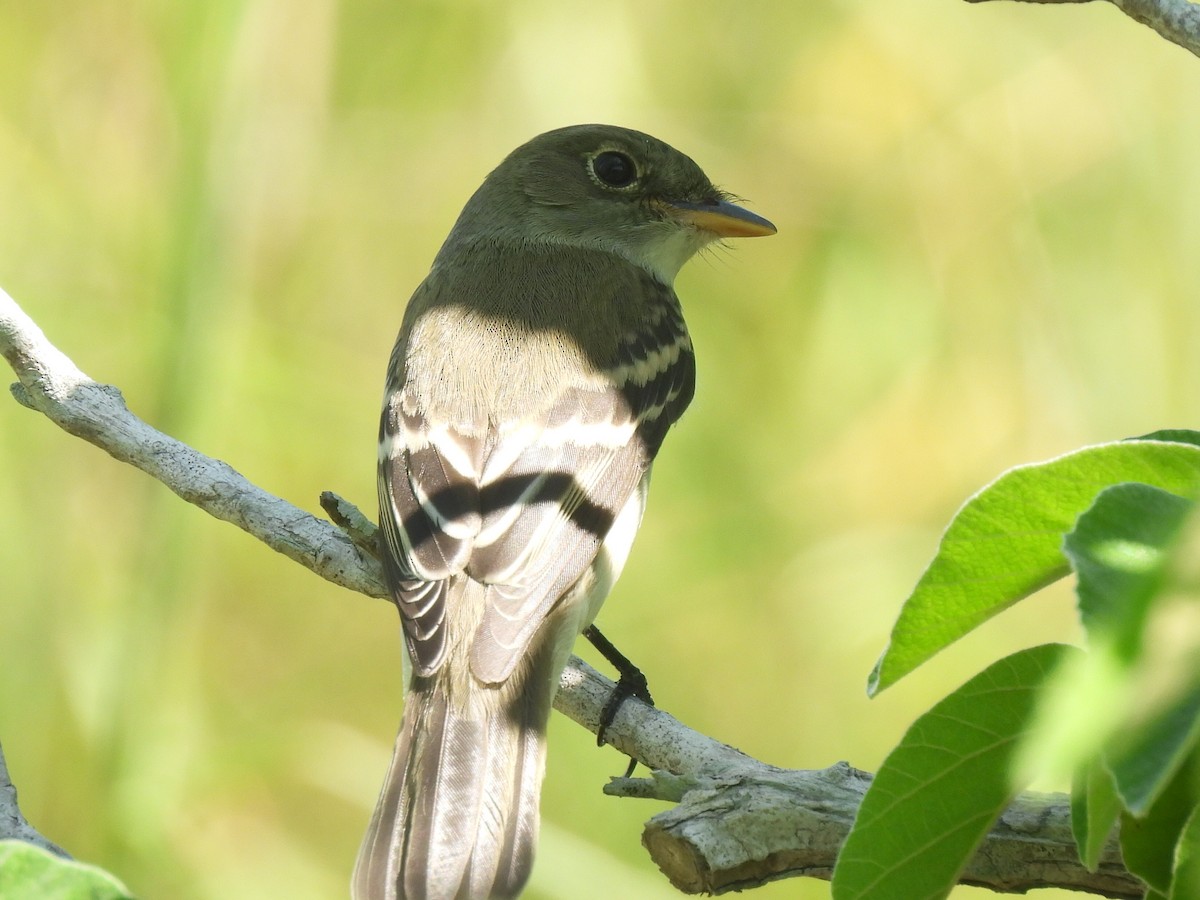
x=722, y=218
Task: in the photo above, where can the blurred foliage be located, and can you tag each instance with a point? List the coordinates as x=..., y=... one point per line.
x=986, y=256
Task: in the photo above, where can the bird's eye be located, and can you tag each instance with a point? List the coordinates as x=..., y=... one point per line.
x=614, y=169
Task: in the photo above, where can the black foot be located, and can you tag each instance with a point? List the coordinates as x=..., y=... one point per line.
x=630, y=683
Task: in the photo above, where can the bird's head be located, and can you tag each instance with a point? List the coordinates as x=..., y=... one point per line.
x=606, y=188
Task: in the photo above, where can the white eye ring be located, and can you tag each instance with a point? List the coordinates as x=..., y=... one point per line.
x=613, y=169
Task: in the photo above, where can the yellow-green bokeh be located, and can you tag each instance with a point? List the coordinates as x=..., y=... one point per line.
x=987, y=255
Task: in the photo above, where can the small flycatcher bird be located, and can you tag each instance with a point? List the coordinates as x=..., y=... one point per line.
x=537, y=370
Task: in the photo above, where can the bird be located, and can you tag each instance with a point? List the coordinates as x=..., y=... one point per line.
x=537, y=370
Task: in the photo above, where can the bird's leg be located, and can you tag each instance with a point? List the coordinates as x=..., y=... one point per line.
x=630, y=683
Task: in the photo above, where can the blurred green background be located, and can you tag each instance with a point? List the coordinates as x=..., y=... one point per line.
x=987, y=255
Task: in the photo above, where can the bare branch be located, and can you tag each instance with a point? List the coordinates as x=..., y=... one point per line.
x=12, y=824
x=348, y=517
x=52, y=384
x=1176, y=20
x=739, y=822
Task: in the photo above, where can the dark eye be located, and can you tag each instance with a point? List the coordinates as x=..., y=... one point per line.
x=614, y=169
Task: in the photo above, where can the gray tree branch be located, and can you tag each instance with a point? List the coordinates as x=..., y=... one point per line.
x=1176, y=20
x=738, y=822
x=12, y=824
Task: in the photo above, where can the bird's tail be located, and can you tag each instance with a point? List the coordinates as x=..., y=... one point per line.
x=458, y=815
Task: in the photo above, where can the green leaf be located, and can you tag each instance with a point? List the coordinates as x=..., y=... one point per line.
x=1086, y=700
x=1148, y=844
x=1185, y=880
x=1173, y=435
x=1122, y=549
x=1095, y=809
x=940, y=790
x=1110, y=705
x=1144, y=760
x=31, y=873
x=1119, y=549
x=1006, y=541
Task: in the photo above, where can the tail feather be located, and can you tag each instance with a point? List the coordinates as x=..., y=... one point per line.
x=497, y=856
x=446, y=791
x=458, y=815
x=522, y=832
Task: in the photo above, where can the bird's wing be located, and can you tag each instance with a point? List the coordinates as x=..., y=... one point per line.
x=428, y=487
x=526, y=511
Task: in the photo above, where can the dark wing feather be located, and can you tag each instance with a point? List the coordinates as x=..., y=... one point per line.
x=658, y=374
x=428, y=502
x=572, y=481
x=525, y=513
